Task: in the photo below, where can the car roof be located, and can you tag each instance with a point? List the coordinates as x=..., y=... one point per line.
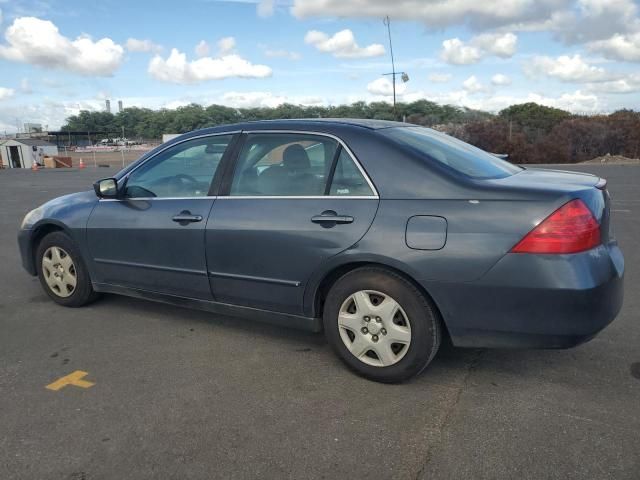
x=304, y=124
x=359, y=122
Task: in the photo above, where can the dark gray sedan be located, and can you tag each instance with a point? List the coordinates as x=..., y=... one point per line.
x=387, y=236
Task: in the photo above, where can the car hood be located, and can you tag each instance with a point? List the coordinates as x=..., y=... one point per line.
x=70, y=201
x=62, y=209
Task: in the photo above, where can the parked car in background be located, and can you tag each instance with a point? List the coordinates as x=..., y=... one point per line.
x=385, y=235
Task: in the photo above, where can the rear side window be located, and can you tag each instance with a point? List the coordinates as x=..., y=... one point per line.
x=275, y=164
x=348, y=180
x=296, y=165
x=455, y=154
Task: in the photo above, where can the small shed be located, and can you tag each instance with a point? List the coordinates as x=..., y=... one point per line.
x=23, y=152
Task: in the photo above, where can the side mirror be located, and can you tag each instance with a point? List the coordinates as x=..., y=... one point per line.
x=106, y=188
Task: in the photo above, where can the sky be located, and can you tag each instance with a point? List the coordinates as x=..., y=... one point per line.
x=58, y=57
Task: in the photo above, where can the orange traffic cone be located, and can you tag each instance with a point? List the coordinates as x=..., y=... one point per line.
x=82, y=165
x=34, y=167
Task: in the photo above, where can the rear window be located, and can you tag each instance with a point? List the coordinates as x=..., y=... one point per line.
x=455, y=154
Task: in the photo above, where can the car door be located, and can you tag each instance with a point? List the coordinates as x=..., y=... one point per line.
x=293, y=200
x=153, y=238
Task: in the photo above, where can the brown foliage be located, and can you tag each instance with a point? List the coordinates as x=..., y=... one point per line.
x=570, y=140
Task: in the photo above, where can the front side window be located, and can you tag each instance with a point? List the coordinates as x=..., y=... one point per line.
x=184, y=170
x=455, y=154
x=273, y=164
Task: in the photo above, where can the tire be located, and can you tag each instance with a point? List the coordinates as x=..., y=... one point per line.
x=62, y=267
x=376, y=355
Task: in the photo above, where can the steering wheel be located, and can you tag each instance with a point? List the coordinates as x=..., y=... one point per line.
x=181, y=181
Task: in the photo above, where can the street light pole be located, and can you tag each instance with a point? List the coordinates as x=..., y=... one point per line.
x=403, y=75
x=387, y=22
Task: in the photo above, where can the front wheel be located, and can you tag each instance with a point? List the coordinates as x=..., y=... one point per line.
x=62, y=272
x=381, y=325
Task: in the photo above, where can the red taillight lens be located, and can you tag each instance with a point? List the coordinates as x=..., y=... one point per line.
x=570, y=229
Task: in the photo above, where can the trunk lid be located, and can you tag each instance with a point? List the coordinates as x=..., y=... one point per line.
x=551, y=179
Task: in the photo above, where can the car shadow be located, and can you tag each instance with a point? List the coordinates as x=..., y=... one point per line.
x=450, y=367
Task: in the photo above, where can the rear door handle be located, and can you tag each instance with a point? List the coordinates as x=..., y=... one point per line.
x=330, y=218
x=185, y=217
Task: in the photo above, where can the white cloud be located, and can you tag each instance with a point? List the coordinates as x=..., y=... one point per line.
x=577, y=101
x=609, y=27
x=440, y=77
x=342, y=45
x=6, y=93
x=38, y=42
x=567, y=69
x=177, y=69
x=457, y=52
x=265, y=99
x=280, y=53
x=500, y=79
x=265, y=8
x=629, y=84
x=501, y=45
x=202, y=49
x=574, y=102
x=383, y=86
x=619, y=47
x=146, y=46
x=595, y=20
x=435, y=13
x=226, y=45
x=473, y=85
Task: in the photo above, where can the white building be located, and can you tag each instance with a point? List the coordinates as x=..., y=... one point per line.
x=22, y=152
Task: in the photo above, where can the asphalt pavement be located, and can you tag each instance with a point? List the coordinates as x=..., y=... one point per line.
x=171, y=393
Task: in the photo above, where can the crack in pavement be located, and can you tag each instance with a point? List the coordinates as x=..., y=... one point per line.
x=471, y=366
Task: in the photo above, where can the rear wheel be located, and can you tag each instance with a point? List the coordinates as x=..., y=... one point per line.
x=381, y=325
x=61, y=271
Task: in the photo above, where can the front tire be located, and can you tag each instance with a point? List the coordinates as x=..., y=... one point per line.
x=381, y=325
x=62, y=272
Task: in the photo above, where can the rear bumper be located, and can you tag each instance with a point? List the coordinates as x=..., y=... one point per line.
x=24, y=244
x=535, y=301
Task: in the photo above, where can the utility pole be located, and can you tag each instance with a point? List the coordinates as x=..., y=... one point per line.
x=405, y=78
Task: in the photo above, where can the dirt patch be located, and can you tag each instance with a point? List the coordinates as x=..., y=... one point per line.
x=614, y=160
x=112, y=159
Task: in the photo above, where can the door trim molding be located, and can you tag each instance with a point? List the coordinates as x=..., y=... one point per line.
x=251, y=278
x=150, y=266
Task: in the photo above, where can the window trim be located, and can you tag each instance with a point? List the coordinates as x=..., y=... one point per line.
x=229, y=162
x=225, y=194
x=235, y=135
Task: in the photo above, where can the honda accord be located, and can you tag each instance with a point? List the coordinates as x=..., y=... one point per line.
x=387, y=236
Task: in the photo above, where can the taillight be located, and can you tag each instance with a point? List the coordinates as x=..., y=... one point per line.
x=570, y=229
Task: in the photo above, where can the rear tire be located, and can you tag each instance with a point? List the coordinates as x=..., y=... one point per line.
x=380, y=325
x=62, y=271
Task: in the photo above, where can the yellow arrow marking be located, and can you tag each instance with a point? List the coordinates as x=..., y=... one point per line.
x=74, y=378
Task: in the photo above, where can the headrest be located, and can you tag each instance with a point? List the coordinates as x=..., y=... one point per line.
x=295, y=157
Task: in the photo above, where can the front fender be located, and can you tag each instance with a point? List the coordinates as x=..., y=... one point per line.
x=69, y=213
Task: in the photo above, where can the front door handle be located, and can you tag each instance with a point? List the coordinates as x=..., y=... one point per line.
x=329, y=218
x=185, y=217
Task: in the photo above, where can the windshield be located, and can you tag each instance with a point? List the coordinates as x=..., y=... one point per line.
x=453, y=153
